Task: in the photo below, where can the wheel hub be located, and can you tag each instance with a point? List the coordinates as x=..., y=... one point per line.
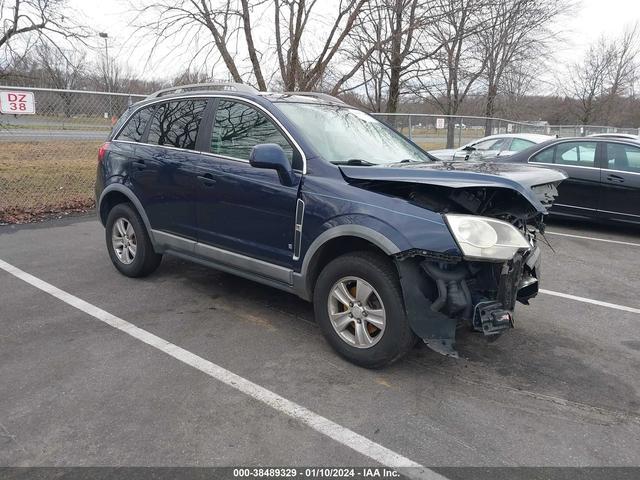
x=356, y=312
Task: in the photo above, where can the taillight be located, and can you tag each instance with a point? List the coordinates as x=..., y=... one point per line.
x=102, y=151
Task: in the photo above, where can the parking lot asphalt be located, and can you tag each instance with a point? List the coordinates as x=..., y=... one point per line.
x=561, y=389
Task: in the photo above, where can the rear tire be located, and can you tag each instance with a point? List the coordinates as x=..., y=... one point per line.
x=128, y=242
x=359, y=307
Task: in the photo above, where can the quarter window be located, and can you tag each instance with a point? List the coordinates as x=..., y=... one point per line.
x=545, y=156
x=134, y=129
x=623, y=157
x=175, y=124
x=238, y=128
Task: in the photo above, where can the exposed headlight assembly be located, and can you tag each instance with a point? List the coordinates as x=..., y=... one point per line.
x=485, y=238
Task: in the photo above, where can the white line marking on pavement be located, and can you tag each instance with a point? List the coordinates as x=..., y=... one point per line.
x=619, y=242
x=591, y=301
x=317, y=422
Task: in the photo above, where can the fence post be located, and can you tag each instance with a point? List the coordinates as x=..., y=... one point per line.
x=459, y=132
x=410, y=128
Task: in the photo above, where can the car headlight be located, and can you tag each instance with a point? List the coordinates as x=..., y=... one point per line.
x=486, y=238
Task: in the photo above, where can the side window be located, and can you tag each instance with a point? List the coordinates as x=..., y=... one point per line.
x=175, y=124
x=545, y=156
x=493, y=144
x=238, y=128
x=518, y=144
x=134, y=129
x=579, y=154
x=623, y=157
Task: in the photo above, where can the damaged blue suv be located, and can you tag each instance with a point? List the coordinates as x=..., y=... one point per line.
x=304, y=193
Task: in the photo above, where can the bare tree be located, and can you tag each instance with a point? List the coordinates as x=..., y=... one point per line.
x=625, y=68
x=588, y=79
x=518, y=80
x=23, y=23
x=459, y=63
x=303, y=67
x=516, y=32
x=64, y=70
x=399, y=33
x=303, y=59
x=608, y=68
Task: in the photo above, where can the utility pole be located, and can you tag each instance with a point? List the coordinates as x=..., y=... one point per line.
x=107, y=70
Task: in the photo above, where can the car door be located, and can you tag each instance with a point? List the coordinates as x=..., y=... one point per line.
x=578, y=195
x=243, y=209
x=163, y=176
x=621, y=182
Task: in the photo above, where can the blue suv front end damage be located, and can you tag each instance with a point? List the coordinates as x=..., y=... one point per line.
x=470, y=282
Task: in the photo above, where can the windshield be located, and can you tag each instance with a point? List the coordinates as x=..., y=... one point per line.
x=346, y=135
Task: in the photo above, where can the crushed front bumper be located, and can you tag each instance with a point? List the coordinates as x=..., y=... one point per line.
x=440, y=296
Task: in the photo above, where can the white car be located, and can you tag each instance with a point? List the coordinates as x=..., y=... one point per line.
x=492, y=146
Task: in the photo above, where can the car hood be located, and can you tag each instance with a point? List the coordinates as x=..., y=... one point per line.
x=531, y=182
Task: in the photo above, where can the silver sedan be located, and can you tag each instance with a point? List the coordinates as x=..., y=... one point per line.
x=492, y=146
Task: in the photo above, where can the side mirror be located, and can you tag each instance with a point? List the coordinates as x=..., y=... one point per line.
x=272, y=156
x=469, y=148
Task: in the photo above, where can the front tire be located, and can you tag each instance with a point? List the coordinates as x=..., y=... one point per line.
x=128, y=242
x=359, y=307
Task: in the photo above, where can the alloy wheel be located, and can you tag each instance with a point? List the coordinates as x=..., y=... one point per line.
x=124, y=241
x=356, y=312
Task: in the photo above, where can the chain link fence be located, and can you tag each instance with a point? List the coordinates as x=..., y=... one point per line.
x=431, y=131
x=48, y=159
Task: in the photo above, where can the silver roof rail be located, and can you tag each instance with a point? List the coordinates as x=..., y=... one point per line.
x=224, y=86
x=318, y=95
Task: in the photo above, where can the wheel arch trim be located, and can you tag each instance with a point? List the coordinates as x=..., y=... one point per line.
x=127, y=192
x=300, y=280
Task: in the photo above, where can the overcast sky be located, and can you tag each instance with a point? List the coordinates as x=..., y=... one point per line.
x=592, y=18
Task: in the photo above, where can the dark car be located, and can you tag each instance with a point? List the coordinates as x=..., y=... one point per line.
x=305, y=194
x=604, y=176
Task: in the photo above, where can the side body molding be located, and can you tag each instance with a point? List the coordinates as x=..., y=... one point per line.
x=120, y=188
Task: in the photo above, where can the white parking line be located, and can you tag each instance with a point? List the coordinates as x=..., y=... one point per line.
x=619, y=242
x=317, y=422
x=591, y=301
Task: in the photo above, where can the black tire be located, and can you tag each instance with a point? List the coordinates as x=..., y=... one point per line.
x=397, y=338
x=146, y=260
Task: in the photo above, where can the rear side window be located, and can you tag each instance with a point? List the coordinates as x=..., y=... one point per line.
x=577, y=154
x=238, y=128
x=623, y=157
x=134, y=129
x=175, y=124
